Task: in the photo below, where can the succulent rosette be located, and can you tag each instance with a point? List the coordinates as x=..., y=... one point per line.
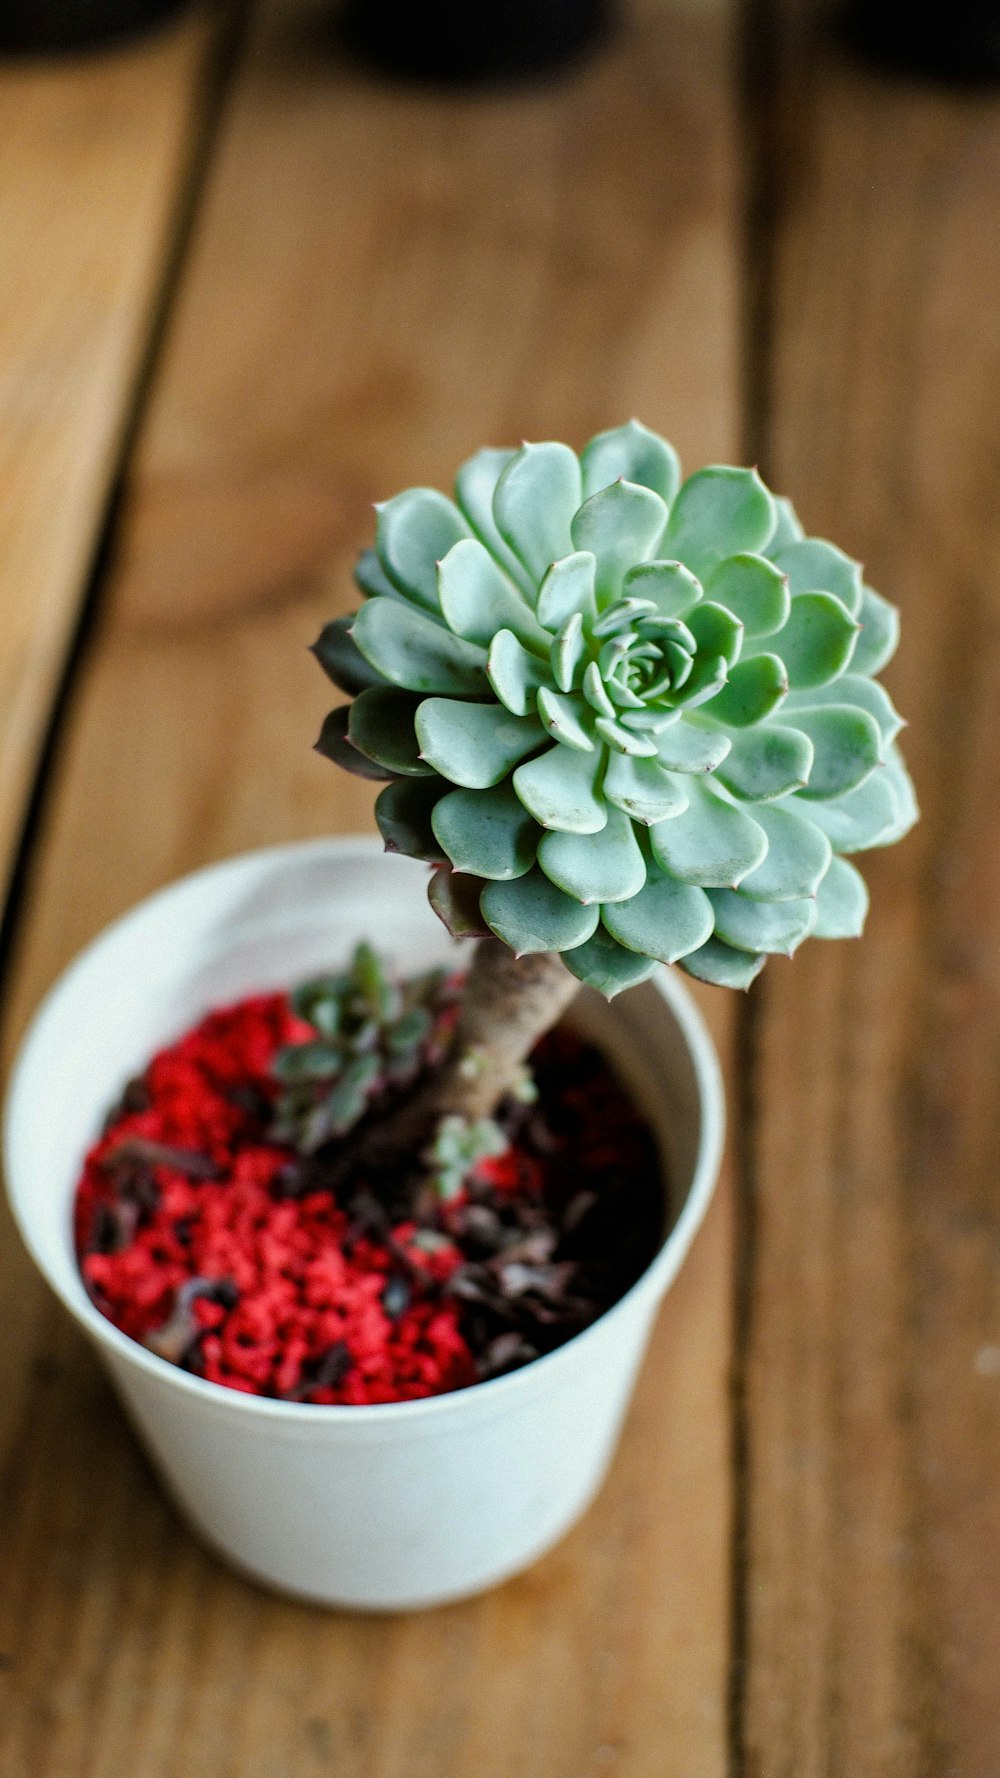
x=631, y=719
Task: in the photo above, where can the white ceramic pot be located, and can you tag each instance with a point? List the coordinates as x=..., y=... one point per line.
x=391, y=1506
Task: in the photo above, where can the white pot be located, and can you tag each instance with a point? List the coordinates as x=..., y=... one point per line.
x=391, y=1506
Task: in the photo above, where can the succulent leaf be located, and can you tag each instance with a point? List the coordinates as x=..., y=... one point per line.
x=817, y=641
x=879, y=636
x=372, y=581
x=412, y=651
x=531, y=914
x=798, y=857
x=403, y=811
x=666, y=920
x=815, y=566
x=754, y=590
x=413, y=531
x=381, y=726
x=595, y=867
x=370, y=1034
x=455, y=900
x=475, y=486
x=642, y=789
x=761, y=925
x=488, y=832
x=718, y=512
x=847, y=746
x=601, y=963
x=619, y=526
x=752, y=692
x=335, y=744
x=722, y=965
x=631, y=453
x=712, y=843
x=342, y=660
x=474, y=745
x=787, y=526
x=477, y=599
x=560, y=788
x=841, y=902
x=631, y=719
x=766, y=762
x=535, y=499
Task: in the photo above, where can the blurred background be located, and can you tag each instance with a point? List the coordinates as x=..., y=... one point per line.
x=262, y=265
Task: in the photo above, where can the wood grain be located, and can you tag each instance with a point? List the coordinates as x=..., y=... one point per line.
x=381, y=280
x=93, y=159
x=872, y=1407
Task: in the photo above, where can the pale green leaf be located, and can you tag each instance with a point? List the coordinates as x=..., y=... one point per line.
x=720, y=511
x=568, y=588
x=411, y=650
x=715, y=630
x=671, y=587
x=666, y=920
x=606, y=866
x=474, y=745
x=625, y=740
x=560, y=789
x=642, y=789
x=723, y=967
x=477, y=599
x=815, y=566
x=754, y=590
x=753, y=691
x=535, y=499
x=847, y=747
x=514, y=674
x=853, y=688
x=798, y=856
x=712, y=843
x=841, y=902
x=707, y=678
x=684, y=747
x=787, y=528
x=413, y=531
x=620, y=525
x=566, y=719
x=488, y=832
x=863, y=818
x=608, y=967
x=475, y=485
x=879, y=636
x=817, y=642
x=634, y=454
x=568, y=653
x=530, y=914
x=762, y=925
x=766, y=762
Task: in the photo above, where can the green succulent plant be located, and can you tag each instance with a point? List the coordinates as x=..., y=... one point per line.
x=371, y=1035
x=632, y=720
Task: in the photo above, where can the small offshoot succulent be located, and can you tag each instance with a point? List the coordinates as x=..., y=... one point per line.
x=632, y=720
x=373, y=1035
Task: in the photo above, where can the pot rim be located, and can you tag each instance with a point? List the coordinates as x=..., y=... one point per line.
x=492, y=1391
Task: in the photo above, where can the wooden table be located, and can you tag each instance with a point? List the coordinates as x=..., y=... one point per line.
x=247, y=289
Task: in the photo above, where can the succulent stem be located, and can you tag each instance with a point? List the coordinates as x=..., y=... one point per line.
x=508, y=1003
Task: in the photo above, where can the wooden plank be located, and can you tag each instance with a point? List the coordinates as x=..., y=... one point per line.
x=93, y=157
x=382, y=279
x=872, y=1631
